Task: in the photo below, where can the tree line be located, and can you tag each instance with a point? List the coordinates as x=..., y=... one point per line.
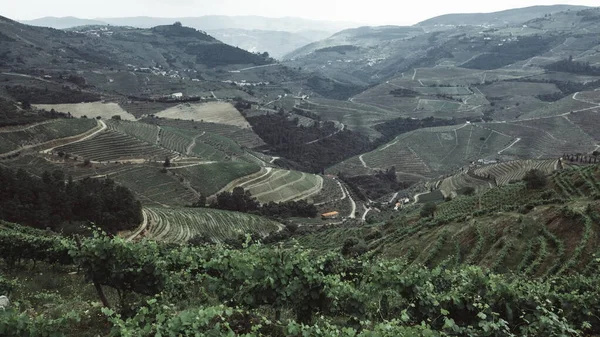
x=573, y=67
x=35, y=95
x=312, y=148
x=240, y=200
x=55, y=201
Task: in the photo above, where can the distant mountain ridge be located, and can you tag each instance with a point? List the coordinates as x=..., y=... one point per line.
x=510, y=16
x=278, y=36
x=170, y=47
x=208, y=22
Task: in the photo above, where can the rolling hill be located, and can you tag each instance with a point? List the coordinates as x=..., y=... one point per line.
x=171, y=47
x=508, y=17
x=277, y=36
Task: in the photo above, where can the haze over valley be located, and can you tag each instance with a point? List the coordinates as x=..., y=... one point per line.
x=300, y=170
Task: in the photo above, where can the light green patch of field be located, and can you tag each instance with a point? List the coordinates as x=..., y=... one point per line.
x=181, y=224
x=91, y=110
x=213, y=112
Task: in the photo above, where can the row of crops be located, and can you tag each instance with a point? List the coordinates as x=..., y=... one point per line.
x=244, y=137
x=402, y=158
x=181, y=224
x=461, y=180
x=209, y=178
x=114, y=146
x=43, y=132
x=580, y=181
x=153, y=187
x=516, y=170
x=283, y=185
x=144, y=132
x=331, y=191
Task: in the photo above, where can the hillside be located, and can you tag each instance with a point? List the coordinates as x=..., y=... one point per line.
x=252, y=33
x=508, y=17
x=367, y=56
x=171, y=47
x=509, y=228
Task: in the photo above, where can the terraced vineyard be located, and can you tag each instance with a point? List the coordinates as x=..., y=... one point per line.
x=209, y=178
x=242, y=136
x=114, y=146
x=15, y=138
x=144, y=132
x=516, y=170
x=587, y=121
x=155, y=188
x=549, y=240
x=454, y=183
x=283, y=185
x=181, y=224
x=430, y=151
x=576, y=182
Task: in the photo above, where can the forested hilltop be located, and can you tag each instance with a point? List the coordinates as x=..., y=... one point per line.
x=58, y=202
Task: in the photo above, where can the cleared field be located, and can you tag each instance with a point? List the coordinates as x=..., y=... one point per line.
x=155, y=188
x=516, y=170
x=181, y=224
x=213, y=112
x=139, y=109
x=13, y=139
x=210, y=178
x=282, y=185
x=91, y=110
x=115, y=146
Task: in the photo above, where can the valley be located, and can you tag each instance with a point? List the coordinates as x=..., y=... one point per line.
x=436, y=179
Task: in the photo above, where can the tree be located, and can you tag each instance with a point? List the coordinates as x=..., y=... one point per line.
x=167, y=162
x=116, y=117
x=428, y=210
x=201, y=202
x=26, y=105
x=468, y=190
x=535, y=179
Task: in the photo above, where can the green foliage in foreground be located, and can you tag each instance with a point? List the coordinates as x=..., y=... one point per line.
x=273, y=291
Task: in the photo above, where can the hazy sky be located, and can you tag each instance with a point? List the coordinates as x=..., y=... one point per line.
x=363, y=11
